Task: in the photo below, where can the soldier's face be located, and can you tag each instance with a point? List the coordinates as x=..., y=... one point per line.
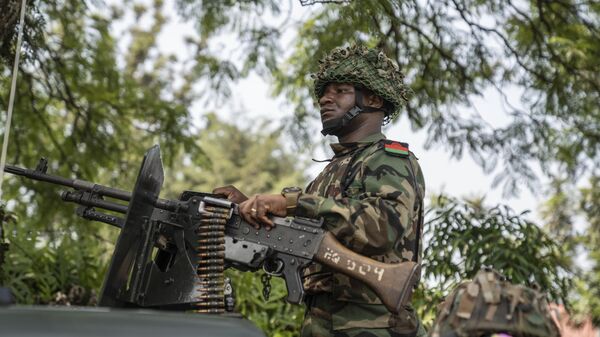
x=337, y=99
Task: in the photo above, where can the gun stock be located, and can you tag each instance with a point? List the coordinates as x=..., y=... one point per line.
x=393, y=283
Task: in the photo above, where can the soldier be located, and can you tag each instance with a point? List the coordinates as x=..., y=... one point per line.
x=491, y=306
x=370, y=195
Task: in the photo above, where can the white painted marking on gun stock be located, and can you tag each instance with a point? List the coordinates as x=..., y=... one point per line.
x=379, y=272
x=332, y=256
x=365, y=268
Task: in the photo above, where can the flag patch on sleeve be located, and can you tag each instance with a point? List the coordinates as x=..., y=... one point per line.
x=396, y=148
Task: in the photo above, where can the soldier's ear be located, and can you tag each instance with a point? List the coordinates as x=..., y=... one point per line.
x=373, y=101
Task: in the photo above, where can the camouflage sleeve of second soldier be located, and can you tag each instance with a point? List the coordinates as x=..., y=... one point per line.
x=380, y=207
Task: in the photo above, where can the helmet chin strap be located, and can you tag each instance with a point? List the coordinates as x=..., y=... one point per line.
x=333, y=127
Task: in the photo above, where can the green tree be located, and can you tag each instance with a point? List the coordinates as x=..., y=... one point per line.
x=76, y=105
x=95, y=110
x=93, y=117
x=250, y=158
x=451, y=52
x=590, y=285
x=572, y=215
x=464, y=236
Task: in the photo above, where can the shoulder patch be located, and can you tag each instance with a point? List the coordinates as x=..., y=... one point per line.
x=396, y=148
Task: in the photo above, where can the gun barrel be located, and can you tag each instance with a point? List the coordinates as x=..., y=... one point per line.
x=36, y=175
x=83, y=185
x=81, y=199
x=77, y=184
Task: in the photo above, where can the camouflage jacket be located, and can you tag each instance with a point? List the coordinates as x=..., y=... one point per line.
x=371, y=200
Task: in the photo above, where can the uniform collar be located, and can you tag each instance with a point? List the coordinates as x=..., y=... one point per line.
x=341, y=149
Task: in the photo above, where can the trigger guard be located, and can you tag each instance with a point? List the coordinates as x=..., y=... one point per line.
x=277, y=271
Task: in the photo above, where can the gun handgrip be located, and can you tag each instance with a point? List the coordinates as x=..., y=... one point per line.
x=292, y=267
x=393, y=283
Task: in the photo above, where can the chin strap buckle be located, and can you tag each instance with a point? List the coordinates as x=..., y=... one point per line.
x=331, y=127
x=352, y=113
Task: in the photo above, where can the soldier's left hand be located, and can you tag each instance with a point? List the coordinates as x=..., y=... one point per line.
x=256, y=209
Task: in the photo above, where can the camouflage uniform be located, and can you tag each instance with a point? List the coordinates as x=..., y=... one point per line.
x=371, y=200
x=489, y=304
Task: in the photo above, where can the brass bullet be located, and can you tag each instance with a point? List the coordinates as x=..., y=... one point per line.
x=210, y=234
x=216, y=227
x=211, y=261
x=211, y=240
x=217, y=209
x=210, y=268
x=212, y=254
x=212, y=275
x=202, y=248
x=214, y=220
x=210, y=304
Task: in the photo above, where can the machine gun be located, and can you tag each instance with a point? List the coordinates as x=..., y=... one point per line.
x=171, y=254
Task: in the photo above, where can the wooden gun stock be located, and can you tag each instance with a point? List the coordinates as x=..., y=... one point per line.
x=393, y=283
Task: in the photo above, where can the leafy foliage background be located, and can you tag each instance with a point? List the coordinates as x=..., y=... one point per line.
x=93, y=108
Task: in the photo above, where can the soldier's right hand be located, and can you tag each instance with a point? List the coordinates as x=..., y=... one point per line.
x=231, y=193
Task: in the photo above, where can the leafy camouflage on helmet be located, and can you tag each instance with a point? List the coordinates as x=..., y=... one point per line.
x=370, y=200
x=490, y=304
x=367, y=67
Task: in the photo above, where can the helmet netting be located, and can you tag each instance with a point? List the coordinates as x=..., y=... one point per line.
x=369, y=68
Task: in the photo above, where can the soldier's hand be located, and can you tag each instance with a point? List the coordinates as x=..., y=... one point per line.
x=256, y=209
x=231, y=193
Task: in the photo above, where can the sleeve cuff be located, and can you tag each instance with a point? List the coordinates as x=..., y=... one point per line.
x=307, y=206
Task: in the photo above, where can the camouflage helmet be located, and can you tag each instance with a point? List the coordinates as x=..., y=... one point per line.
x=489, y=304
x=369, y=68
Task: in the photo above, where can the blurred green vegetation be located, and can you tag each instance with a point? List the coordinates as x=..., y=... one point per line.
x=93, y=109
